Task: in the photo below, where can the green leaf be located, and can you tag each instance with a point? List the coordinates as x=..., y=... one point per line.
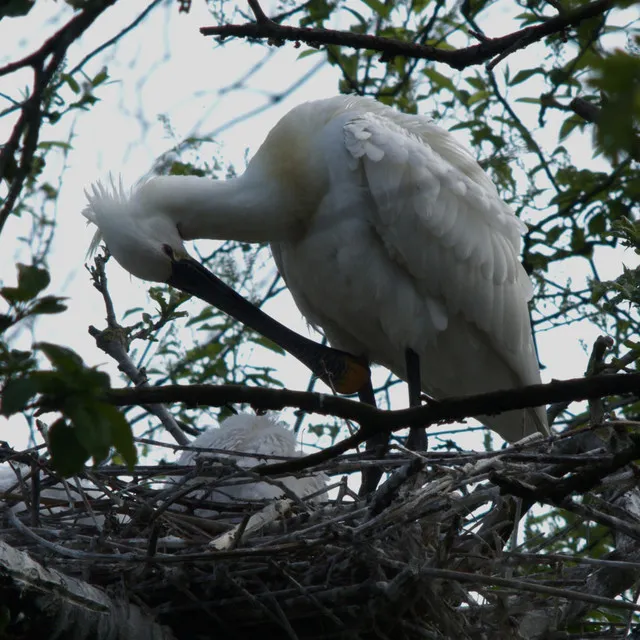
x=48, y=304
x=308, y=52
x=62, y=358
x=438, y=79
x=578, y=241
x=71, y=81
x=569, y=125
x=616, y=79
x=67, y=454
x=477, y=83
x=32, y=280
x=15, y=8
x=478, y=96
x=17, y=394
x=100, y=77
x=92, y=430
x=185, y=169
x=377, y=7
x=59, y=144
x=49, y=191
x=121, y=434
x=11, y=294
x=598, y=224
x=553, y=234
x=525, y=74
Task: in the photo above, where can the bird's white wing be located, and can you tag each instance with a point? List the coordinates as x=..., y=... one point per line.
x=442, y=220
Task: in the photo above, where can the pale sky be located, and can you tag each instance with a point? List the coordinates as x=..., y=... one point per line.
x=166, y=67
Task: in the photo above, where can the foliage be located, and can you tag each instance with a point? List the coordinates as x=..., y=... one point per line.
x=70, y=387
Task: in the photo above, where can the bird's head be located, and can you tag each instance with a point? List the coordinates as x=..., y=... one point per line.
x=143, y=238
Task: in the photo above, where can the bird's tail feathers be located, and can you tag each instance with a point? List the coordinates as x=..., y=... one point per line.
x=515, y=425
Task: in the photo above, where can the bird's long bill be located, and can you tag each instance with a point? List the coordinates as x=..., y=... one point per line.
x=340, y=370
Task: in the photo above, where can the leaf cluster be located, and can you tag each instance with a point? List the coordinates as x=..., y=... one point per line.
x=90, y=426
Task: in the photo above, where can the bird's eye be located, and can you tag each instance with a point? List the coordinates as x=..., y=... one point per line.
x=168, y=250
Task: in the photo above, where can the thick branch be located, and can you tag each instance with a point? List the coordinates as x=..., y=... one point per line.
x=58, y=605
x=370, y=419
x=449, y=409
x=458, y=59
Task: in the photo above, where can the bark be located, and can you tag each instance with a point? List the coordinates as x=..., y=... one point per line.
x=44, y=603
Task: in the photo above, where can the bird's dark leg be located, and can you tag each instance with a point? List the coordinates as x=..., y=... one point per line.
x=378, y=444
x=417, y=440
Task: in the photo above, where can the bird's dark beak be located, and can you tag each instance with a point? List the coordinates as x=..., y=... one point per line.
x=342, y=371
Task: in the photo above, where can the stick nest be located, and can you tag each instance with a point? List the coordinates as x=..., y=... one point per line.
x=423, y=557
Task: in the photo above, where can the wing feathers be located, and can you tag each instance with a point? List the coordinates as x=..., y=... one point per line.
x=441, y=219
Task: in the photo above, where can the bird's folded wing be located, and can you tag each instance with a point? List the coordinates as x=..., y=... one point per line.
x=441, y=219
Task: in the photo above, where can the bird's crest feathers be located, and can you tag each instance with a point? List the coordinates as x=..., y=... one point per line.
x=100, y=197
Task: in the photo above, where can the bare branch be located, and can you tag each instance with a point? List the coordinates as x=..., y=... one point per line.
x=114, y=341
x=28, y=125
x=489, y=48
x=370, y=419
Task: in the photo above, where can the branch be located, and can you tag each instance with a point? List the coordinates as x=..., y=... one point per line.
x=370, y=419
x=28, y=125
x=593, y=114
x=114, y=341
x=557, y=491
x=614, y=575
x=526, y=586
x=62, y=606
x=266, y=29
x=586, y=110
x=114, y=39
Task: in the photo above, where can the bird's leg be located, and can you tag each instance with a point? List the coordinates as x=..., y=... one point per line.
x=378, y=444
x=417, y=440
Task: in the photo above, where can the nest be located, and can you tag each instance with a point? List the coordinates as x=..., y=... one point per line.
x=423, y=557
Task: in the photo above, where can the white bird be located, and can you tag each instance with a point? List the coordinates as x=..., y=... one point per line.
x=245, y=433
x=389, y=235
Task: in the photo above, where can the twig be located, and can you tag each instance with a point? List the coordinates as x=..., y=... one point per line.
x=45, y=63
x=596, y=367
x=111, y=41
x=523, y=585
x=66, y=606
x=114, y=341
x=556, y=490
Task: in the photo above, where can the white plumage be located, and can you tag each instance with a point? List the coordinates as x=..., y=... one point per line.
x=261, y=435
x=387, y=232
x=242, y=433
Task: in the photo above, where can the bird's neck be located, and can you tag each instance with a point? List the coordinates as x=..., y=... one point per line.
x=247, y=208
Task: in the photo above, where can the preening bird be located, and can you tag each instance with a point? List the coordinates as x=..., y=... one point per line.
x=389, y=235
x=245, y=433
